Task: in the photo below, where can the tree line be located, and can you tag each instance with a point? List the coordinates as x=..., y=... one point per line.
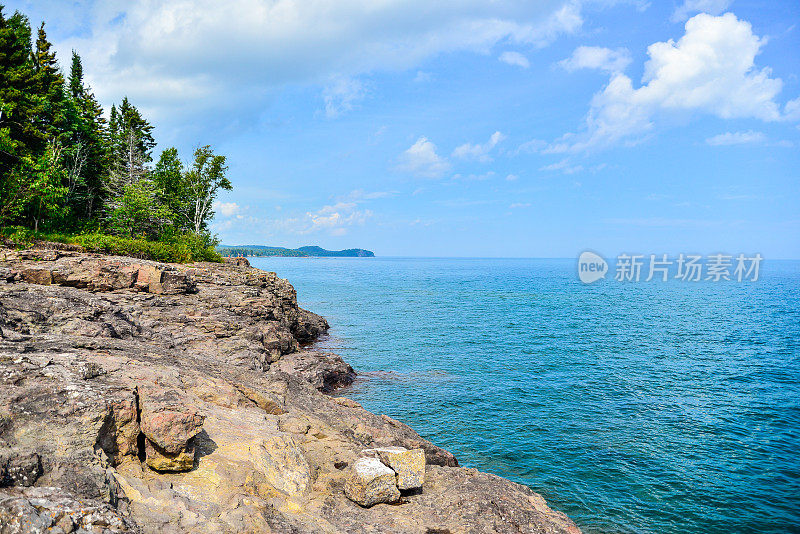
x=65, y=167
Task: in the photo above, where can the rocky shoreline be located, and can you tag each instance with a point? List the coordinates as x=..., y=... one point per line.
x=138, y=396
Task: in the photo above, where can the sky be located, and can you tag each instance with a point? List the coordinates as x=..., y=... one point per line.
x=471, y=127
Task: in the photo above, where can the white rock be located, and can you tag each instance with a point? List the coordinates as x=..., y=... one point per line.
x=369, y=482
x=408, y=464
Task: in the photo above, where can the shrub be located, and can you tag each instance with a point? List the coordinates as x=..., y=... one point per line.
x=182, y=248
x=176, y=248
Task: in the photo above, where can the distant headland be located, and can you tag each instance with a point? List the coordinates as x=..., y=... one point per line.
x=302, y=252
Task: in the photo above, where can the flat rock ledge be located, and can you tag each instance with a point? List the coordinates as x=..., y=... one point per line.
x=144, y=397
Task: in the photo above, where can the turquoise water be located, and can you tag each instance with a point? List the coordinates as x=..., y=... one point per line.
x=650, y=407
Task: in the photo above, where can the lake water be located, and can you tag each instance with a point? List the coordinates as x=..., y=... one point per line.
x=633, y=407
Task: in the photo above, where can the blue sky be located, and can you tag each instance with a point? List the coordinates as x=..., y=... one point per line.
x=470, y=128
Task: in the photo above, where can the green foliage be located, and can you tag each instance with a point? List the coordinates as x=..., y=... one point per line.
x=180, y=248
x=64, y=168
x=187, y=249
x=139, y=212
x=201, y=184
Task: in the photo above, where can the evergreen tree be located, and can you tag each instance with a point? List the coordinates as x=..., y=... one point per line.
x=87, y=155
x=76, y=88
x=63, y=167
x=20, y=140
x=17, y=89
x=49, y=86
x=131, y=144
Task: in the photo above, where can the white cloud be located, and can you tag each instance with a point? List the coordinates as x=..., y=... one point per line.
x=515, y=59
x=335, y=219
x=563, y=166
x=690, y=7
x=422, y=160
x=228, y=209
x=475, y=177
x=710, y=69
x=340, y=96
x=530, y=147
x=516, y=205
x=736, y=138
x=174, y=56
x=596, y=57
x=479, y=152
x=792, y=109
x=512, y=177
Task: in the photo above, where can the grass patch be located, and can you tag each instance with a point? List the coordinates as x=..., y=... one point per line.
x=180, y=248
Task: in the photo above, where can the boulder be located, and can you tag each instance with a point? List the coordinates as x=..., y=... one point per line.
x=167, y=419
x=369, y=482
x=169, y=424
x=408, y=464
x=160, y=460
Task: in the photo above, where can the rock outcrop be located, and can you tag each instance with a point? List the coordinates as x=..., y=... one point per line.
x=137, y=396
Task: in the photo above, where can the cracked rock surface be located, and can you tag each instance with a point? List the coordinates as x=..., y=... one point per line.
x=143, y=397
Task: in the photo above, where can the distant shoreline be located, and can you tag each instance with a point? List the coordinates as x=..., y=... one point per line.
x=301, y=252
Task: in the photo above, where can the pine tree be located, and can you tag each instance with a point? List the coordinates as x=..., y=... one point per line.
x=20, y=139
x=76, y=88
x=131, y=144
x=17, y=86
x=87, y=154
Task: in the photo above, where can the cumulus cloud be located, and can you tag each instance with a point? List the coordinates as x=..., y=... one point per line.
x=171, y=55
x=736, y=138
x=227, y=209
x=597, y=57
x=711, y=69
x=479, y=152
x=515, y=59
x=690, y=7
x=792, y=109
x=421, y=160
x=335, y=219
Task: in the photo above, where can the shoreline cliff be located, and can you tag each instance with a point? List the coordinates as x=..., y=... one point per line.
x=138, y=396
